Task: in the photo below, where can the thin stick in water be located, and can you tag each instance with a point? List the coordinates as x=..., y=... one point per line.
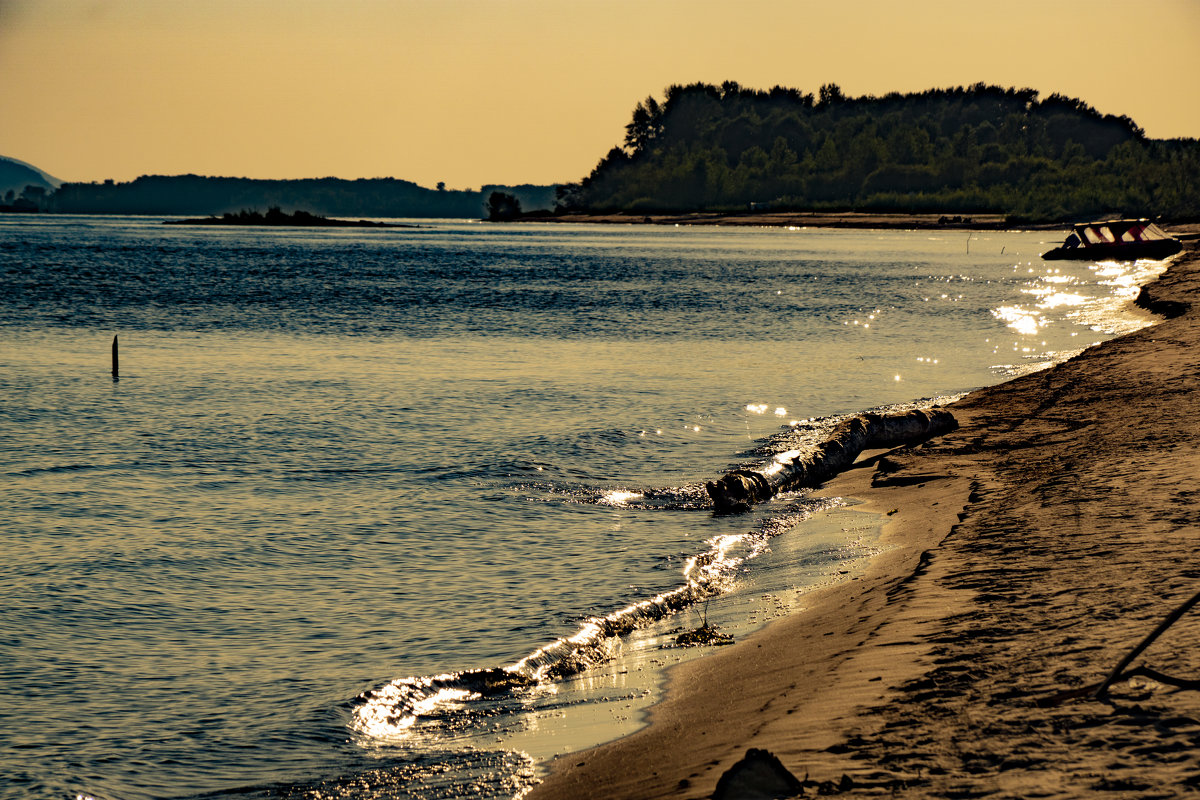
x=115, y=372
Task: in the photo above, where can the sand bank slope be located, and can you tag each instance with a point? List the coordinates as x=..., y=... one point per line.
x=1030, y=549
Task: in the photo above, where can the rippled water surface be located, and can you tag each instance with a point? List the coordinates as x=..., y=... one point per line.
x=339, y=464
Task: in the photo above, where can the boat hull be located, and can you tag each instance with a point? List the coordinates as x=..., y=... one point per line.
x=1125, y=251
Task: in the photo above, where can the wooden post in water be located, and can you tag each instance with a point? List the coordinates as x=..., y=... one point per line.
x=115, y=371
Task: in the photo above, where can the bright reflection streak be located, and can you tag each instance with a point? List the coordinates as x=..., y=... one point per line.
x=1100, y=313
x=619, y=497
x=378, y=717
x=1019, y=319
x=781, y=460
x=704, y=569
x=1059, y=299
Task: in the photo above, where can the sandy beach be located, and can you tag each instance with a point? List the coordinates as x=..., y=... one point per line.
x=1025, y=554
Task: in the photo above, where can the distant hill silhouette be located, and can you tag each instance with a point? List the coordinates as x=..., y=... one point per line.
x=188, y=195
x=15, y=175
x=976, y=149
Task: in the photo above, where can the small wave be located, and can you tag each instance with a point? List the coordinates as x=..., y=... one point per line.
x=58, y=468
x=393, y=711
x=1035, y=363
x=396, y=711
x=477, y=773
x=341, y=473
x=689, y=497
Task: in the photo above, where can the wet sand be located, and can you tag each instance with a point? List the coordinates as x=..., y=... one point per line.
x=1028, y=551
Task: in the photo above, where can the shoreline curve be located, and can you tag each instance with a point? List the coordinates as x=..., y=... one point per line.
x=1027, y=551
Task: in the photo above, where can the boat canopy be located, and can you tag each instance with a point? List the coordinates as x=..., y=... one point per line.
x=1126, y=239
x=1119, y=231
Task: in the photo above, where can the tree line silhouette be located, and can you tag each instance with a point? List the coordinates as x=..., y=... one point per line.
x=198, y=194
x=705, y=147
x=981, y=148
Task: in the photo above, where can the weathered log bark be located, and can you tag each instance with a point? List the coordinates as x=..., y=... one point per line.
x=744, y=487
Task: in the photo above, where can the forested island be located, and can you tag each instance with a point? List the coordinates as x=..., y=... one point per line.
x=278, y=218
x=975, y=150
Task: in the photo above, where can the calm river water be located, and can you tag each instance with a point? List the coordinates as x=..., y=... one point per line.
x=346, y=476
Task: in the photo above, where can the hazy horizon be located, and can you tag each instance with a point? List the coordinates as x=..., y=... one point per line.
x=471, y=93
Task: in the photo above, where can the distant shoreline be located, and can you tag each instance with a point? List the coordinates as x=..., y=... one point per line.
x=864, y=220
x=803, y=219
x=279, y=219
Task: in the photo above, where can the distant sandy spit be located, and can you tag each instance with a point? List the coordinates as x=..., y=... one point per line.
x=1026, y=553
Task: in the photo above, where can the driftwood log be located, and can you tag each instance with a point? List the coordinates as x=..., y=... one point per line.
x=742, y=488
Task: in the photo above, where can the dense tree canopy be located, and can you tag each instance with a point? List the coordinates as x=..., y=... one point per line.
x=503, y=206
x=973, y=149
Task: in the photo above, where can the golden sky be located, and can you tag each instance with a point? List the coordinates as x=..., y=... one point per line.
x=511, y=91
